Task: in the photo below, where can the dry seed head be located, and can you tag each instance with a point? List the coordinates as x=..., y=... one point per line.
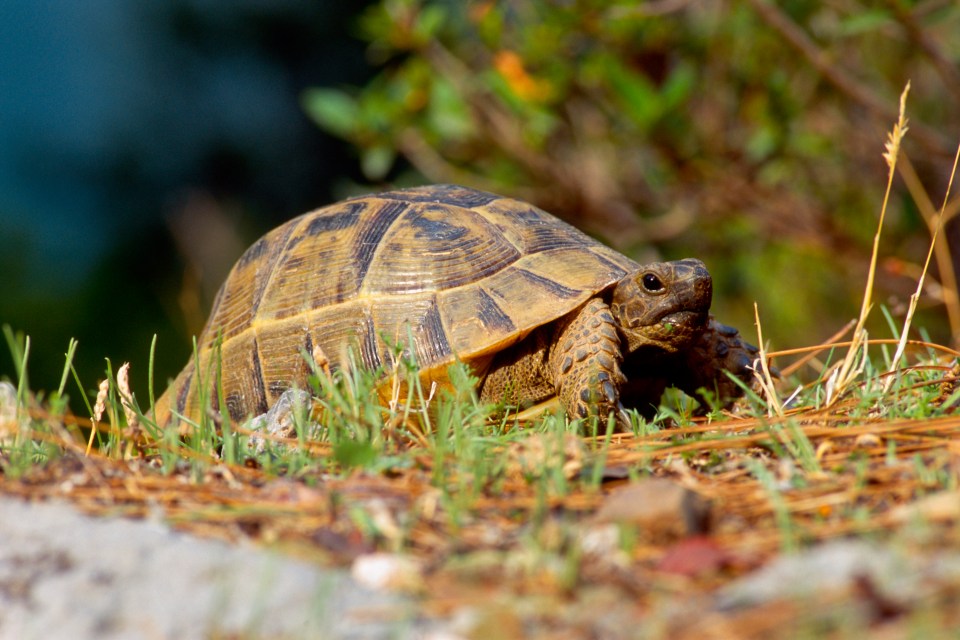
x=867, y=440
x=126, y=396
x=761, y=371
x=892, y=147
x=823, y=449
x=101, y=404
x=8, y=409
x=98, y=408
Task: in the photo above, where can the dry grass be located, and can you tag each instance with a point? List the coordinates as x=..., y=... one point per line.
x=867, y=473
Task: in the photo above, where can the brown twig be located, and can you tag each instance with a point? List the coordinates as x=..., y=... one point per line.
x=883, y=109
x=946, y=68
x=948, y=275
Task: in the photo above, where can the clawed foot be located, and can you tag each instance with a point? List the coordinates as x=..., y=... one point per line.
x=719, y=349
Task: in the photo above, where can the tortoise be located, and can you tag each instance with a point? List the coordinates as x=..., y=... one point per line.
x=533, y=306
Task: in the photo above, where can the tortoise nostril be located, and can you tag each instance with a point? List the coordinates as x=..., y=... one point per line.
x=651, y=283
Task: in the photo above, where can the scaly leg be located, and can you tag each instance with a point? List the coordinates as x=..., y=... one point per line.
x=584, y=363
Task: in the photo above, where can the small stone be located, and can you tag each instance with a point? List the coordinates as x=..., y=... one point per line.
x=659, y=507
x=388, y=572
x=533, y=455
x=943, y=506
x=281, y=420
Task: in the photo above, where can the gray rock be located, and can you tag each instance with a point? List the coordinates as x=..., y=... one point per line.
x=66, y=575
x=835, y=566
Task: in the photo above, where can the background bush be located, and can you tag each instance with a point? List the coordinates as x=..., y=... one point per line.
x=747, y=133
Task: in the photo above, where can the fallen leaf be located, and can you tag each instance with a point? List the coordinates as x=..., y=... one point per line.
x=694, y=556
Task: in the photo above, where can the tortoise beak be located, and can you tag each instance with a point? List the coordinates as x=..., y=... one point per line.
x=692, y=285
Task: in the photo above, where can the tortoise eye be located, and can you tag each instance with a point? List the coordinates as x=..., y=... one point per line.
x=652, y=283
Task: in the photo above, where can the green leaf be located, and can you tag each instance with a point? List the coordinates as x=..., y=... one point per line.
x=377, y=161
x=351, y=453
x=449, y=115
x=334, y=110
x=639, y=97
x=864, y=22
x=679, y=86
x=429, y=22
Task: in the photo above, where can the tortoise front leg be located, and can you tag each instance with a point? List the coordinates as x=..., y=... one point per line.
x=584, y=363
x=720, y=348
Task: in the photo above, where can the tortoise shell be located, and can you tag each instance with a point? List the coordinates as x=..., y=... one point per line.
x=465, y=273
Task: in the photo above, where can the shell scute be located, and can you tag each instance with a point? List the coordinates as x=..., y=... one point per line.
x=533, y=230
x=370, y=235
x=240, y=297
x=240, y=374
x=316, y=275
x=437, y=248
x=451, y=194
x=432, y=225
x=281, y=345
x=338, y=220
x=254, y=253
x=333, y=330
x=574, y=268
x=473, y=317
x=415, y=325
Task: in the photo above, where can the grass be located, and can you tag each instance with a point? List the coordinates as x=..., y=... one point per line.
x=851, y=441
x=483, y=499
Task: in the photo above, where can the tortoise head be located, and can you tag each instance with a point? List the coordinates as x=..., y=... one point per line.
x=664, y=304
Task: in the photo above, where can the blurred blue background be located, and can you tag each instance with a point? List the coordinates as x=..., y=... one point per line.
x=143, y=145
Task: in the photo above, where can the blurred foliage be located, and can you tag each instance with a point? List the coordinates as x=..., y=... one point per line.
x=207, y=127
x=747, y=133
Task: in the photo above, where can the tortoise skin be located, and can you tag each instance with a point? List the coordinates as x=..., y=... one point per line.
x=467, y=275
